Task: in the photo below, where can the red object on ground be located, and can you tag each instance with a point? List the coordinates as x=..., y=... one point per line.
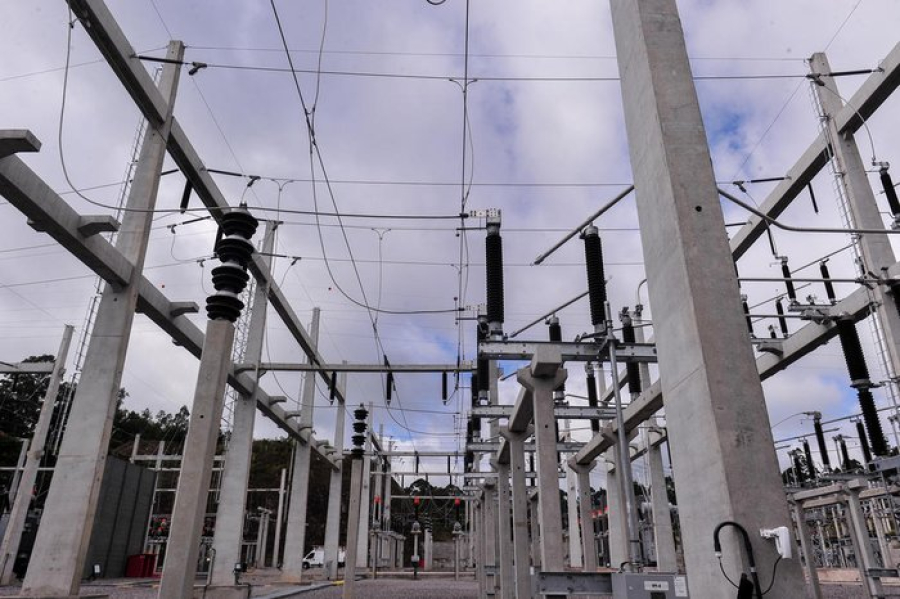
x=142, y=565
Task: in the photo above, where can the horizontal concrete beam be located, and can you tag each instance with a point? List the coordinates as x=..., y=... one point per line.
x=26, y=367
x=561, y=412
x=13, y=141
x=379, y=368
x=494, y=446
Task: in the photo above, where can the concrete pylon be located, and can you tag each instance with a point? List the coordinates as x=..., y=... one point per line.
x=488, y=536
x=57, y=560
x=576, y=559
x=588, y=537
x=229, y=532
x=862, y=546
x=521, y=556
x=12, y=536
x=335, y=484
x=713, y=394
x=663, y=535
x=295, y=535
x=808, y=550
x=183, y=547
x=534, y=529
x=541, y=378
x=505, y=546
x=353, y=522
x=615, y=513
x=362, y=549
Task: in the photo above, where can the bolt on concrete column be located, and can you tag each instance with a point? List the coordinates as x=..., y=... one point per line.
x=507, y=579
x=713, y=394
x=521, y=558
x=57, y=560
x=333, y=519
x=183, y=547
x=663, y=536
x=541, y=379
x=229, y=533
x=588, y=538
x=295, y=536
x=615, y=513
x=12, y=536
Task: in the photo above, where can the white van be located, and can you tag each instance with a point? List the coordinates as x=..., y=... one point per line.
x=316, y=558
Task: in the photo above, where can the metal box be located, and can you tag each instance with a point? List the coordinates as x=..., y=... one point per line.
x=649, y=586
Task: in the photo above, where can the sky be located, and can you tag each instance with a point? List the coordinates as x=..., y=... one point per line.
x=383, y=82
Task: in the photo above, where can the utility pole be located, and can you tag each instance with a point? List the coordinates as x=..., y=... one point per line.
x=57, y=559
x=223, y=308
x=19, y=512
x=707, y=369
x=295, y=537
x=353, y=523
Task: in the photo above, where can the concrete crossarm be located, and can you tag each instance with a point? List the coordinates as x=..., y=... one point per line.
x=523, y=412
x=868, y=98
x=34, y=198
x=120, y=54
x=795, y=347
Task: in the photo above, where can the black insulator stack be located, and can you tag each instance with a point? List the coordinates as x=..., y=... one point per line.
x=389, y=383
x=782, y=321
x=829, y=287
x=476, y=421
x=555, y=332
x=332, y=387
x=747, y=315
x=873, y=424
x=593, y=259
x=772, y=332
x=482, y=364
x=494, y=268
x=234, y=250
x=820, y=440
x=889, y=192
x=417, y=462
x=444, y=387
x=359, y=430
x=185, y=196
x=864, y=442
x=810, y=466
x=592, y=398
x=789, y=283
x=853, y=353
x=812, y=196
x=845, y=457
x=799, y=473
x=631, y=368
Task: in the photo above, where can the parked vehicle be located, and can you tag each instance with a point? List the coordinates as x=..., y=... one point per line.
x=316, y=558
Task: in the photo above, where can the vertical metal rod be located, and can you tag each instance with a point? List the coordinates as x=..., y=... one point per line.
x=625, y=478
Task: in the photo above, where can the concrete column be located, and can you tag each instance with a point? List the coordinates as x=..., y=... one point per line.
x=588, y=538
x=862, y=548
x=295, y=536
x=229, y=533
x=663, y=536
x=279, y=519
x=183, y=547
x=505, y=545
x=478, y=534
x=876, y=250
x=352, y=528
x=428, y=550
x=878, y=523
x=57, y=560
x=333, y=522
x=535, y=531
x=521, y=558
x=362, y=555
x=575, y=557
x=489, y=535
x=615, y=514
x=15, y=483
x=541, y=378
x=709, y=378
x=22, y=492
x=806, y=546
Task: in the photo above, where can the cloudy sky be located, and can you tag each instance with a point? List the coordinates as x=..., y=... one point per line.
x=545, y=143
